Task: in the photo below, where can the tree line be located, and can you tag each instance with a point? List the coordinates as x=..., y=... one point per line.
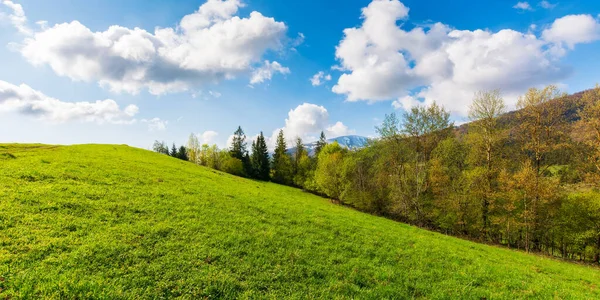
x=527, y=180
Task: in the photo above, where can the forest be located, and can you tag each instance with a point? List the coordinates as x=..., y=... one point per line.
x=527, y=179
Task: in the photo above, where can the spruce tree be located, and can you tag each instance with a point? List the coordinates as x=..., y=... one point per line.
x=300, y=151
x=238, y=150
x=260, y=159
x=253, y=159
x=173, y=151
x=238, y=145
x=182, y=153
x=281, y=161
x=321, y=143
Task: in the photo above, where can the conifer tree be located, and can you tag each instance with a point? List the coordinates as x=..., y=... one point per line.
x=173, y=151
x=320, y=144
x=238, y=149
x=238, y=145
x=300, y=151
x=281, y=161
x=182, y=153
x=260, y=159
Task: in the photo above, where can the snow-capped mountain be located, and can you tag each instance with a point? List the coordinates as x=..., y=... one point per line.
x=347, y=141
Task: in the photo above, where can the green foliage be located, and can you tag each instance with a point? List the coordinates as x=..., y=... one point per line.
x=160, y=147
x=115, y=222
x=360, y=187
x=303, y=164
x=232, y=165
x=193, y=149
x=238, y=145
x=320, y=143
x=260, y=159
x=282, y=163
x=328, y=175
x=182, y=153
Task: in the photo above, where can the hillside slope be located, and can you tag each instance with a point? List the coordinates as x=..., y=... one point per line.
x=107, y=221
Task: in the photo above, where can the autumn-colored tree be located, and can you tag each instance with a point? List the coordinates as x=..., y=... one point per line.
x=540, y=119
x=484, y=138
x=590, y=121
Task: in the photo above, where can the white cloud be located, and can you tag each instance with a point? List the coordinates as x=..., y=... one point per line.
x=298, y=40
x=573, y=29
x=338, y=129
x=214, y=94
x=156, y=124
x=17, y=17
x=319, y=78
x=405, y=103
x=307, y=121
x=267, y=71
x=208, y=137
x=546, y=5
x=209, y=45
x=27, y=101
x=522, y=6
x=382, y=61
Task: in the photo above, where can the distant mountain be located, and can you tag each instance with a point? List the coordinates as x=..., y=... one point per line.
x=347, y=141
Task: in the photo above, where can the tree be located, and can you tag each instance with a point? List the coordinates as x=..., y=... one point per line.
x=238, y=144
x=281, y=161
x=485, y=136
x=239, y=149
x=260, y=158
x=540, y=128
x=360, y=183
x=453, y=211
x=423, y=127
x=182, y=153
x=328, y=174
x=160, y=147
x=590, y=121
x=230, y=164
x=193, y=149
x=540, y=119
x=173, y=152
x=298, y=154
x=320, y=143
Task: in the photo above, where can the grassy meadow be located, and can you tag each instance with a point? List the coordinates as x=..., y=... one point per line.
x=112, y=221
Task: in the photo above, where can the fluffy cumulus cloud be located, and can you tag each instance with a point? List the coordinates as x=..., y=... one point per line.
x=266, y=72
x=319, y=78
x=207, y=46
x=380, y=60
x=573, y=29
x=208, y=137
x=307, y=121
x=27, y=101
x=523, y=6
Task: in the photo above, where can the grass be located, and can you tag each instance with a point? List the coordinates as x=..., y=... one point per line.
x=108, y=222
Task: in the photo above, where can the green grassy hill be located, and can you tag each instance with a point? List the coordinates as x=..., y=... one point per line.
x=104, y=221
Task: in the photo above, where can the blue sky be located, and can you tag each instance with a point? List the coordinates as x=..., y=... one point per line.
x=204, y=71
